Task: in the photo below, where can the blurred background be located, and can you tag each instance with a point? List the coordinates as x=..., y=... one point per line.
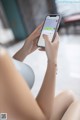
x=18, y=18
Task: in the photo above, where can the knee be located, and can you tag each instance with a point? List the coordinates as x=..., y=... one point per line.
x=76, y=104
x=73, y=112
x=69, y=95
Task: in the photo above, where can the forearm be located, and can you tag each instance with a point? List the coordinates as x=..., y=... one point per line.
x=45, y=97
x=21, y=54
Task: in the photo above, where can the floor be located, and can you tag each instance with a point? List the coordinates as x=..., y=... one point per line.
x=68, y=73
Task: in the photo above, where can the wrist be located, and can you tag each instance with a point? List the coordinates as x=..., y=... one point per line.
x=24, y=51
x=52, y=63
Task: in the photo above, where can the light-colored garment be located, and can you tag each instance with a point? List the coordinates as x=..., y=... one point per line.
x=26, y=71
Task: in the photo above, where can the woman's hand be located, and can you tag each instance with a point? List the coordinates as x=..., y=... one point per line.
x=51, y=48
x=30, y=44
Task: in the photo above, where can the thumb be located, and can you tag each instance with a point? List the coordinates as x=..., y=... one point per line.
x=46, y=39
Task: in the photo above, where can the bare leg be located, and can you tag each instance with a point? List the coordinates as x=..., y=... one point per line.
x=73, y=112
x=15, y=97
x=61, y=104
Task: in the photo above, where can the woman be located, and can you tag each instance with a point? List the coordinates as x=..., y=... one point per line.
x=15, y=97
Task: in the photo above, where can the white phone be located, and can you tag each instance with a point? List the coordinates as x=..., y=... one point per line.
x=50, y=28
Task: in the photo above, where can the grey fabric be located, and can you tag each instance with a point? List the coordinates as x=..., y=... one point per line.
x=26, y=71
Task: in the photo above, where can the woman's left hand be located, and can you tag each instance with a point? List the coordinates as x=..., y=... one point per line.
x=30, y=44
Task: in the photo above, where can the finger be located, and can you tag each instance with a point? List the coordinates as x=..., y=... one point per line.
x=36, y=42
x=38, y=34
x=41, y=49
x=35, y=47
x=38, y=29
x=56, y=40
x=45, y=37
x=47, y=41
x=40, y=26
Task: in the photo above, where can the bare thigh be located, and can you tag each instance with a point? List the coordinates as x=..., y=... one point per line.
x=15, y=97
x=73, y=112
x=61, y=104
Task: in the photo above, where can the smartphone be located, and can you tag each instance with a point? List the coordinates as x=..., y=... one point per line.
x=50, y=27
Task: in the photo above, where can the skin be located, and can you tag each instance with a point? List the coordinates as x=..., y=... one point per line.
x=73, y=112
x=30, y=44
x=16, y=98
x=61, y=103
x=19, y=102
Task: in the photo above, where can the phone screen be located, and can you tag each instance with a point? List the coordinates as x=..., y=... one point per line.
x=49, y=29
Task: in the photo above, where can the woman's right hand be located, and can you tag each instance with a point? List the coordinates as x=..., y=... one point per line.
x=51, y=48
